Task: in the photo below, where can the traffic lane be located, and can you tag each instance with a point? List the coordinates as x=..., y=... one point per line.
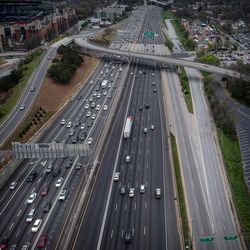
x=134, y=173
x=26, y=98
x=220, y=211
x=21, y=194
x=173, y=237
x=197, y=207
x=89, y=233
x=115, y=196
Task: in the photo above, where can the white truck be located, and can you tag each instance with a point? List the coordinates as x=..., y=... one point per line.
x=128, y=126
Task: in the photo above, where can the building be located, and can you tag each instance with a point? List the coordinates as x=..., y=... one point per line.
x=109, y=13
x=27, y=24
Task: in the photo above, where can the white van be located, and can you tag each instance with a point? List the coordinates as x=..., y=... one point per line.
x=31, y=215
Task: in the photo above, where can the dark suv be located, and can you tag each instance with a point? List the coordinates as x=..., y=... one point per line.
x=128, y=236
x=56, y=172
x=31, y=177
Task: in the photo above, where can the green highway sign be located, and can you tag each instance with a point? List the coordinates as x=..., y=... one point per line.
x=206, y=239
x=149, y=34
x=230, y=237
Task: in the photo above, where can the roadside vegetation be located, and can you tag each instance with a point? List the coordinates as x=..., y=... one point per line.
x=169, y=44
x=182, y=33
x=186, y=90
x=181, y=198
x=239, y=88
x=36, y=118
x=64, y=67
x=2, y=62
x=16, y=82
x=106, y=37
x=231, y=154
x=232, y=157
x=167, y=14
x=207, y=58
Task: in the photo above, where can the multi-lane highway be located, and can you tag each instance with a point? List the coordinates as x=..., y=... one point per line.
x=86, y=116
x=88, y=113
x=124, y=209
x=111, y=214
x=210, y=212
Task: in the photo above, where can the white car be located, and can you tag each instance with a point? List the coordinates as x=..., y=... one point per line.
x=63, y=121
x=82, y=126
x=116, y=176
x=128, y=158
x=22, y=107
x=98, y=107
x=93, y=116
x=89, y=141
x=131, y=192
x=142, y=188
x=105, y=107
x=99, y=95
x=59, y=182
x=105, y=92
x=86, y=106
x=91, y=82
x=69, y=124
x=31, y=198
x=88, y=114
x=36, y=225
x=94, y=93
x=13, y=185
x=62, y=195
x=152, y=127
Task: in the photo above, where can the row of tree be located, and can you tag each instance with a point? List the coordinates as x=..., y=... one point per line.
x=9, y=81
x=63, y=70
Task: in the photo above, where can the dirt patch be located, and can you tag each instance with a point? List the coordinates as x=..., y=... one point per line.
x=53, y=95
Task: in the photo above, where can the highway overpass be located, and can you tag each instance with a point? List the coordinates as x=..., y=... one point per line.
x=162, y=59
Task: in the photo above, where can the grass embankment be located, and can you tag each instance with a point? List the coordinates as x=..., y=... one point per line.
x=186, y=90
x=2, y=62
x=181, y=197
x=28, y=69
x=169, y=44
x=36, y=118
x=167, y=14
x=232, y=156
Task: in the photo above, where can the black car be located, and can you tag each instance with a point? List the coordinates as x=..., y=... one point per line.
x=82, y=136
x=122, y=190
x=47, y=207
x=128, y=236
x=68, y=164
x=56, y=172
x=31, y=177
x=147, y=106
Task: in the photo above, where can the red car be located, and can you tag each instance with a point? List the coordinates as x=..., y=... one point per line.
x=45, y=191
x=42, y=241
x=4, y=243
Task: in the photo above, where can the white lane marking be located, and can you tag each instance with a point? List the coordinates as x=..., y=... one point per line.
x=18, y=233
x=122, y=232
x=125, y=207
x=111, y=233
x=19, y=212
x=116, y=205
x=135, y=205
x=39, y=180
x=11, y=226
x=144, y=230
x=145, y=205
